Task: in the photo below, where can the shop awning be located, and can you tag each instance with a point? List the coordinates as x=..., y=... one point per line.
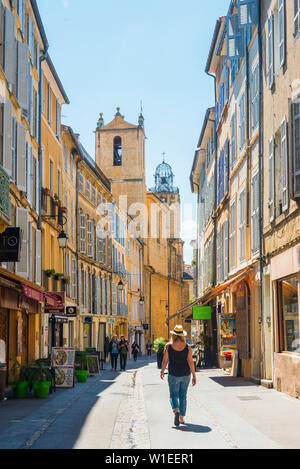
x=204, y=300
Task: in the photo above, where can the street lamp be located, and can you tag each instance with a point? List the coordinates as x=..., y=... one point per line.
x=120, y=286
x=142, y=300
x=62, y=240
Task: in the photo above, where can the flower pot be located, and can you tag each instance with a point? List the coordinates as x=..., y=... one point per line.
x=159, y=357
x=20, y=389
x=41, y=389
x=81, y=375
x=47, y=192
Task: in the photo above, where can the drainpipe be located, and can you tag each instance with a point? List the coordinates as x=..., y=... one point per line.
x=214, y=217
x=260, y=163
x=42, y=58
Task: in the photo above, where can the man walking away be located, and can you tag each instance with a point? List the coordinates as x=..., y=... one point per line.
x=114, y=352
x=123, y=347
x=149, y=349
x=135, y=350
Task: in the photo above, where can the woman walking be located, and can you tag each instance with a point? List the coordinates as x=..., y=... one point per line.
x=114, y=352
x=179, y=356
x=135, y=350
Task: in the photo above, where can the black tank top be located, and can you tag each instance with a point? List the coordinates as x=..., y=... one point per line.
x=178, y=362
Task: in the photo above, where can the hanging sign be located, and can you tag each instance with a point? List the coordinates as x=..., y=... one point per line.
x=201, y=313
x=63, y=360
x=10, y=245
x=54, y=302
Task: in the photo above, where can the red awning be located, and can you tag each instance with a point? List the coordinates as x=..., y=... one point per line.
x=32, y=293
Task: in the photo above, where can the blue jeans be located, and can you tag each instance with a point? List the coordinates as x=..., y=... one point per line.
x=178, y=386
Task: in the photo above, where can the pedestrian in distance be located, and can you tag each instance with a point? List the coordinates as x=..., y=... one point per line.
x=178, y=356
x=114, y=352
x=124, y=349
x=135, y=350
x=149, y=349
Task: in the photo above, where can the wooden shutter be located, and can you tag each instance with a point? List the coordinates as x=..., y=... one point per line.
x=43, y=92
x=284, y=165
x=248, y=12
x=30, y=264
x=108, y=296
x=242, y=121
x=281, y=31
x=58, y=120
x=219, y=256
x=37, y=186
x=221, y=177
x=114, y=299
x=38, y=253
x=226, y=168
x=29, y=174
x=9, y=46
x=31, y=39
x=22, y=75
x=232, y=141
x=226, y=250
x=7, y=137
x=296, y=132
x=103, y=296
x=255, y=213
x=22, y=222
x=21, y=158
x=235, y=38
x=242, y=224
x=272, y=179
x=271, y=73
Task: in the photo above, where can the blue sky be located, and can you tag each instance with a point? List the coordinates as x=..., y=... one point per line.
x=117, y=53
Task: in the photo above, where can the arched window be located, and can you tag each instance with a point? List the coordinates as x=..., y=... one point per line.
x=117, y=151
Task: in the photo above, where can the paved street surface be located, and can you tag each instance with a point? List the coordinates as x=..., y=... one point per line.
x=131, y=411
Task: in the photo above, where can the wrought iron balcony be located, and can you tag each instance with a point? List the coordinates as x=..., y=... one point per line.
x=4, y=197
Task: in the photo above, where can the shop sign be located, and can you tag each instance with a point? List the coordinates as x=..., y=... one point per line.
x=71, y=311
x=87, y=320
x=10, y=245
x=201, y=313
x=54, y=302
x=63, y=360
x=32, y=293
x=111, y=321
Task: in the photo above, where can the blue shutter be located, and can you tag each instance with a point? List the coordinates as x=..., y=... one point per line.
x=227, y=84
x=221, y=99
x=248, y=12
x=217, y=113
x=9, y=46
x=226, y=168
x=235, y=38
x=221, y=178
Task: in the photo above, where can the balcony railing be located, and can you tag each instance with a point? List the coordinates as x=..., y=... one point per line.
x=4, y=194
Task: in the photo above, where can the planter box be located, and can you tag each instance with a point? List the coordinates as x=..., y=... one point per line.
x=81, y=376
x=41, y=389
x=20, y=389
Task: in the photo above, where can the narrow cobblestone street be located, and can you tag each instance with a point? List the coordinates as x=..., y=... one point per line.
x=131, y=411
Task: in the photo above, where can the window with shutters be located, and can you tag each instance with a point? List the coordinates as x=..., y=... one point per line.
x=296, y=17
x=72, y=220
x=81, y=183
x=271, y=50
x=248, y=12
x=255, y=213
x=232, y=236
x=284, y=166
x=226, y=168
x=9, y=47
x=219, y=256
x=296, y=131
x=74, y=278
x=49, y=108
x=72, y=166
x=82, y=234
x=281, y=32
x=94, y=195
x=221, y=177
x=226, y=250
x=242, y=225
x=66, y=157
x=68, y=275
x=242, y=122
x=235, y=38
x=255, y=97
x=88, y=190
x=271, y=179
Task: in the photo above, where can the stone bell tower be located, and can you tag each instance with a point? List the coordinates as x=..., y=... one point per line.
x=120, y=153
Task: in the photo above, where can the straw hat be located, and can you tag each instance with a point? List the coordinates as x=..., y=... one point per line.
x=178, y=330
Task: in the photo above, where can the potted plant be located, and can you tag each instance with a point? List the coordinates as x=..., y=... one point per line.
x=58, y=276
x=49, y=272
x=81, y=371
x=66, y=280
x=159, y=348
x=21, y=378
x=63, y=209
x=41, y=379
x=56, y=200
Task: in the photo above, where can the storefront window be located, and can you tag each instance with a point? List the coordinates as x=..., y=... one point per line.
x=290, y=315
